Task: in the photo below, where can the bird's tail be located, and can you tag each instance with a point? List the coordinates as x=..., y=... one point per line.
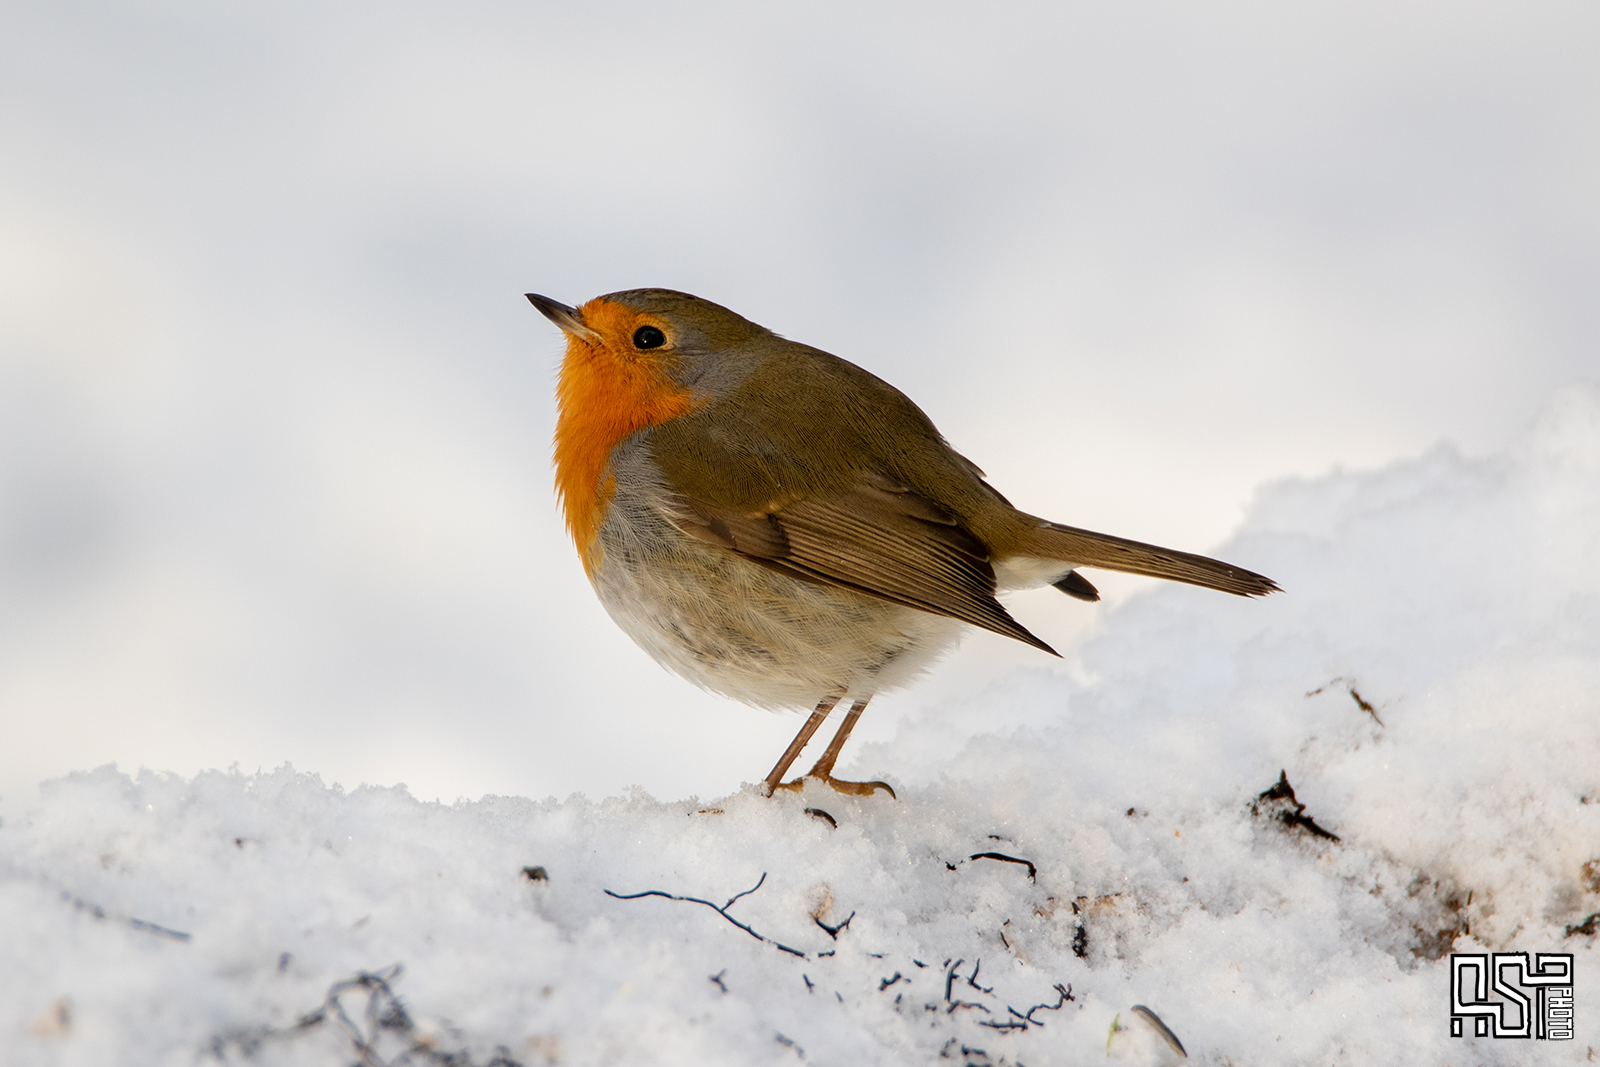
x=1084, y=548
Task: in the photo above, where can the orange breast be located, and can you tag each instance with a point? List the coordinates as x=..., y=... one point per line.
x=605, y=393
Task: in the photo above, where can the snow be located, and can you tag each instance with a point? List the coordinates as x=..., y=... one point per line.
x=1429, y=686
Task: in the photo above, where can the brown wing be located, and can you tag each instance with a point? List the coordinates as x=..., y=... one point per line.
x=877, y=537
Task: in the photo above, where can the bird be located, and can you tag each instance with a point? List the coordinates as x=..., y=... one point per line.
x=780, y=526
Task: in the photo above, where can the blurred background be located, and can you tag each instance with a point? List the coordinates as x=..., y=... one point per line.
x=275, y=416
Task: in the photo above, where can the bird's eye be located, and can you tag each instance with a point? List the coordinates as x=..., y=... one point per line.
x=648, y=337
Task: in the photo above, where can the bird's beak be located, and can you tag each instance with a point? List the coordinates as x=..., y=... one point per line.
x=569, y=319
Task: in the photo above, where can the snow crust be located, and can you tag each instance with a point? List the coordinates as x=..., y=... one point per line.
x=1429, y=685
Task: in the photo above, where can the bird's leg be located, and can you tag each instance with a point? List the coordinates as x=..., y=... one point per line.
x=824, y=766
x=792, y=753
x=823, y=771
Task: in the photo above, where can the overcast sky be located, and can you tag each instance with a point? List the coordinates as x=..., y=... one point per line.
x=275, y=418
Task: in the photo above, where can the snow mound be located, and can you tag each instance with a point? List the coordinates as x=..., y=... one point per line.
x=1265, y=823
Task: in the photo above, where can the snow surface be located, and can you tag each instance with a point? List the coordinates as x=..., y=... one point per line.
x=1429, y=685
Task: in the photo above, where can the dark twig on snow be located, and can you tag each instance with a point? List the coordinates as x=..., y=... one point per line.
x=1065, y=992
x=159, y=931
x=95, y=910
x=1586, y=928
x=1032, y=870
x=1003, y=1024
x=1282, y=790
x=1361, y=702
x=833, y=931
x=950, y=977
x=818, y=813
x=972, y=979
x=1021, y=1020
x=1364, y=705
x=722, y=911
x=384, y=1014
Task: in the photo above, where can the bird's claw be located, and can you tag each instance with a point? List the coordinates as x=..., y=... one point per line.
x=838, y=785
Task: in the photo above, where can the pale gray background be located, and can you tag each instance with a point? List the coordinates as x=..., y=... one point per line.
x=275, y=418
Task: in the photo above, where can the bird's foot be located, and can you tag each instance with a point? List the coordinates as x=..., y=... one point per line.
x=838, y=785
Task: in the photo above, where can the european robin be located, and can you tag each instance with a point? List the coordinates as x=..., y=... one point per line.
x=778, y=525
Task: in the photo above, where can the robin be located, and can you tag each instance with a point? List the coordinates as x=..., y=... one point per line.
x=778, y=525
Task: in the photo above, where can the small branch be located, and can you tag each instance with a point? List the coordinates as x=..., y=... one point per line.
x=1364, y=705
x=159, y=931
x=818, y=813
x=722, y=911
x=1361, y=702
x=950, y=977
x=1032, y=870
x=1066, y=995
x=1586, y=928
x=833, y=931
x=384, y=1013
x=95, y=910
x=973, y=979
x=1282, y=790
x=1021, y=1020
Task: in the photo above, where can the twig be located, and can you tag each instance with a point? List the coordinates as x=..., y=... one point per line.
x=79, y=904
x=1032, y=870
x=1021, y=1020
x=950, y=980
x=159, y=931
x=1586, y=928
x=384, y=1011
x=950, y=976
x=1061, y=1002
x=1003, y=1024
x=1282, y=790
x=1361, y=702
x=377, y=986
x=973, y=980
x=833, y=931
x=722, y=911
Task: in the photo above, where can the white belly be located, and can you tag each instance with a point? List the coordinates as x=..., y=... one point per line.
x=745, y=631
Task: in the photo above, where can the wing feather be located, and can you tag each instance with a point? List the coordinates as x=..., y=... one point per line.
x=878, y=537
